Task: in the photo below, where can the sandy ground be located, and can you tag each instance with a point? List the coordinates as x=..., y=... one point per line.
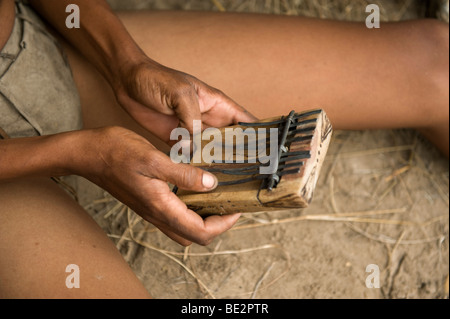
x=382, y=199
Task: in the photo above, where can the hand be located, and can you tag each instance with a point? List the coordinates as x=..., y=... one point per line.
x=136, y=173
x=161, y=99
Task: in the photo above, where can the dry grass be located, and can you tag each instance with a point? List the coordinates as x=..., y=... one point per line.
x=351, y=10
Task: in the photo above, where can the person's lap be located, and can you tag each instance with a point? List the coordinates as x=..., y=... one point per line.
x=43, y=231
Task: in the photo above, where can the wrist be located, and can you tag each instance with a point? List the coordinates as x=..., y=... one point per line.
x=126, y=71
x=83, y=156
x=121, y=64
x=64, y=154
x=43, y=156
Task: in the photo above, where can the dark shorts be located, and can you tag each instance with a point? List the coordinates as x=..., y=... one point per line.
x=38, y=95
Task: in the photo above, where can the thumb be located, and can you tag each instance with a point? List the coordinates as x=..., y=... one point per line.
x=188, y=177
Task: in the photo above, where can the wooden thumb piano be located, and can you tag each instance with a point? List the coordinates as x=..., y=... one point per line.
x=248, y=181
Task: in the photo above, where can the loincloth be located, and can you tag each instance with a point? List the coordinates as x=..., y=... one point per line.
x=38, y=95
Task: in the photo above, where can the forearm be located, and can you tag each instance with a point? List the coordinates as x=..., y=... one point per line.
x=47, y=156
x=101, y=38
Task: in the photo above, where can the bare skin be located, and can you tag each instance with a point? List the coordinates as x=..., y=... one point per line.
x=361, y=77
x=6, y=20
x=43, y=233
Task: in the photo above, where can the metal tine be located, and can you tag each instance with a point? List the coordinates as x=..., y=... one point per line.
x=258, y=177
x=281, y=121
x=297, y=122
x=290, y=172
x=293, y=139
x=255, y=177
x=300, y=139
x=295, y=158
x=246, y=144
x=306, y=122
x=258, y=141
x=243, y=181
x=251, y=170
x=298, y=164
x=260, y=124
x=289, y=140
x=300, y=153
x=303, y=130
x=240, y=173
x=306, y=114
x=238, y=169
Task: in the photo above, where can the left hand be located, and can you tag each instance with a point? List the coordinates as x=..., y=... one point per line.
x=161, y=99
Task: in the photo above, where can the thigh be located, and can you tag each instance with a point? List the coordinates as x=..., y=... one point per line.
x=42, y=232
x=272, y=64
x=393, y=77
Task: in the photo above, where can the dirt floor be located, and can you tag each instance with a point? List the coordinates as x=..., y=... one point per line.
x=382, y=199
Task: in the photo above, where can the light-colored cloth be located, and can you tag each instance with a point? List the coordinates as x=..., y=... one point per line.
x=38, y=95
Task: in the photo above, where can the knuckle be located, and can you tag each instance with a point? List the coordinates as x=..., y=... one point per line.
x=188, y=177
x=216, y=91
x=112, y=131
x=184, y=88
x=155, y=163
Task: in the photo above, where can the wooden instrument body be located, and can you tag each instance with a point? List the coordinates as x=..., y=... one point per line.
x=294, y=190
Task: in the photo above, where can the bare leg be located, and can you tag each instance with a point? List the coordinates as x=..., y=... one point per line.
x=394, y=77
x=42, y=231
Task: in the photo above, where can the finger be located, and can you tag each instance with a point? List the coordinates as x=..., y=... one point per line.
x=242, y=115
x=180, y=240
x=239, y=113
x=162, y=225
x=219, y=224
x=187, y=108
x=188, y=224
x=184, y=176
x=159, y=124
x=220, y=110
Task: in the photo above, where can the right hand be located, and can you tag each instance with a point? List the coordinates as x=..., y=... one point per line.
x=161, y=99
x=132, y=170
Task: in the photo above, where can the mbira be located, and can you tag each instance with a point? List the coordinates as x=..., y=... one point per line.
x=246, y=184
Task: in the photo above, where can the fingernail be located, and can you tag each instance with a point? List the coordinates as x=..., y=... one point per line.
x=208, y=181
